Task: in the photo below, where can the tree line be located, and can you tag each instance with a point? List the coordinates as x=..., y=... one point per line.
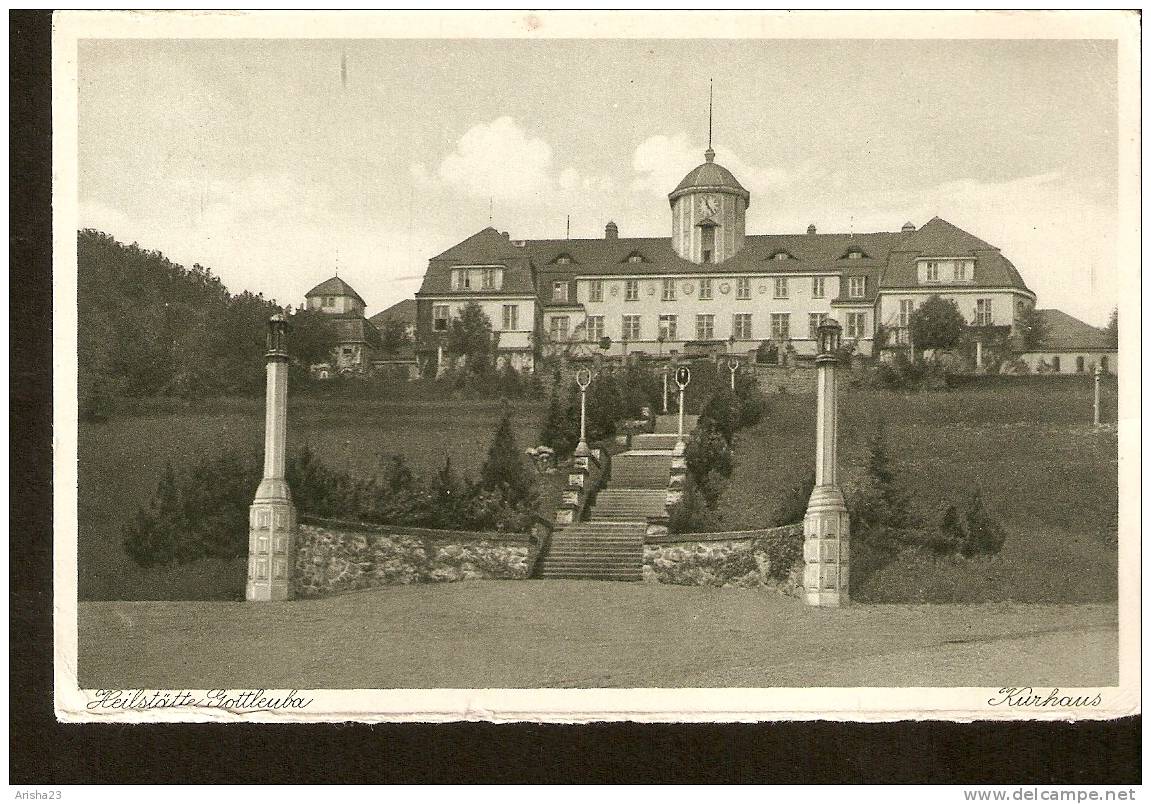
x=150, y=327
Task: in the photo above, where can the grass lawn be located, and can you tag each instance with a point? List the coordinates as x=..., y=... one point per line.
x=1050, y=480
x=583, y=634
x=120, y=462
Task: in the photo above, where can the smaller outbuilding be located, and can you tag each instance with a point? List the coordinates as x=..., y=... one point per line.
x=1070, y=346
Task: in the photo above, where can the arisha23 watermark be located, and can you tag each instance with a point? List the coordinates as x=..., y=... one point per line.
x=1027, y=697
x=231, y=700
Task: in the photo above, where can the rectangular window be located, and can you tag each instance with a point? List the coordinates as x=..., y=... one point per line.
x=595, y=290
x=817, y=287
x=932, y=272
x=1055, y=363
x=280, y=569
x=440, y=315
x=906, y=306
x=813, y=322
x=559, y=291
x=488, y=278
x=668, y=290
x=983, y=312
x=781, y=287
x=963, y=270
x=511, y=319
x=559, y=328
x=1079, y=364
x=780, y=326
x=705, y=327
x=705, y=290
x=856, y=325
x=461, y=280
x=594, y=328
x=667, y=327
x=741, y=326
x=857, y=287
x=631, y=330
x=329, y=301
x=261, y=569
x=631, y=290
x=743, y=288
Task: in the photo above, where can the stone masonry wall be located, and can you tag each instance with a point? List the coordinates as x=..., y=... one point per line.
x=722, y=559
x=339, y=557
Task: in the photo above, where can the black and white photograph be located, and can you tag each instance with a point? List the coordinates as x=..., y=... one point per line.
x=615, y=366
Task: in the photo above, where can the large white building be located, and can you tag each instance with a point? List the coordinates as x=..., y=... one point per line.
x=710, y=285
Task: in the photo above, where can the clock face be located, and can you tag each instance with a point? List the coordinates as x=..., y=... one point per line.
x=708, y=205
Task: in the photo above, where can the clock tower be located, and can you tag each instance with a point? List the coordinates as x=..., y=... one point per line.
x=708, y=213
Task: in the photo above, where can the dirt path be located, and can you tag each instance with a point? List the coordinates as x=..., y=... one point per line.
x=589, y=634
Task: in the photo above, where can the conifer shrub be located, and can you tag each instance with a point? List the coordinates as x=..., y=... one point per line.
x=971, y=530
x=504, y=472
x=723, y=410
x=709, y=461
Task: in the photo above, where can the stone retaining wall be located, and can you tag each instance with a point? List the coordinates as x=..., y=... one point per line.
x=333, y=556
x=734, y=558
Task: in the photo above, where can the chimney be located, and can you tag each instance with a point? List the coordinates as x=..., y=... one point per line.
x=504, y=235
x=611, y=231
x=908, y=227
x=811, y=228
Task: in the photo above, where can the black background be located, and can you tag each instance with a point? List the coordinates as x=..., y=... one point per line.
x=43, y=751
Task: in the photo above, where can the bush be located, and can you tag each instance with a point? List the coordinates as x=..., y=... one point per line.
x=973, y=531
x=723, y=411
x=504, y=472
x=903, y=374
x=691, y=514
x=793, y=507
x=784, y=552
x=709, y=462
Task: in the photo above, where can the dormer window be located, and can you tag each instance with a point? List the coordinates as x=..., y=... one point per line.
x=635, y=256
x=781, y=255
x=477, y=277
x=854, y=255
x=964, y=270
x=563, y=259
x=559, y=291
x=857, y=287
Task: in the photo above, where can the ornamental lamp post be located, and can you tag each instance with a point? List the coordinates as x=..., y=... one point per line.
x=682, y=378
x=826, y=528
x=583, y=380
x=665, y=372
x=272, y=515
x=1098, y=378
x=732, y=366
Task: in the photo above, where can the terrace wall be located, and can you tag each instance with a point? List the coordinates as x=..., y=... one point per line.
x=734, y=558
x=334, y=556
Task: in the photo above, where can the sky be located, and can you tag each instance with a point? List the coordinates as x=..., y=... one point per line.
x=277, y=162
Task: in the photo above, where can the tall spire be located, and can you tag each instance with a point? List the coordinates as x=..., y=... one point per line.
x=709, y=154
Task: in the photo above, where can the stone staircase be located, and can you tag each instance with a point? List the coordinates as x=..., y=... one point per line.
x=602, y=551
x=609, y=545
x=629, y=504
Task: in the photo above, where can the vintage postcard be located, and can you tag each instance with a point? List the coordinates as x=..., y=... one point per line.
x=568, y=366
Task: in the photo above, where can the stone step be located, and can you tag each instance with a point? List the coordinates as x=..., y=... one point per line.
x=654, y=441
x=670, y=423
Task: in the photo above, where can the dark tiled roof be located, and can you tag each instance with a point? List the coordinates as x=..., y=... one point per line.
x=938, y=238
x=485, y=247
x=334, y=287
x=889, y=261
x=1065, y=333
x=709, y=175
x=400, y=311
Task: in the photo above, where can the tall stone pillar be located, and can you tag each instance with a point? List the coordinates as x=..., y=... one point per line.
x=826, y=530
x=272, y=516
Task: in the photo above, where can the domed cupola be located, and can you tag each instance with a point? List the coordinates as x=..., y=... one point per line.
x=708, y=213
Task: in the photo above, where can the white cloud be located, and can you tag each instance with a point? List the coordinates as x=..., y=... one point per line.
x=498, y=159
